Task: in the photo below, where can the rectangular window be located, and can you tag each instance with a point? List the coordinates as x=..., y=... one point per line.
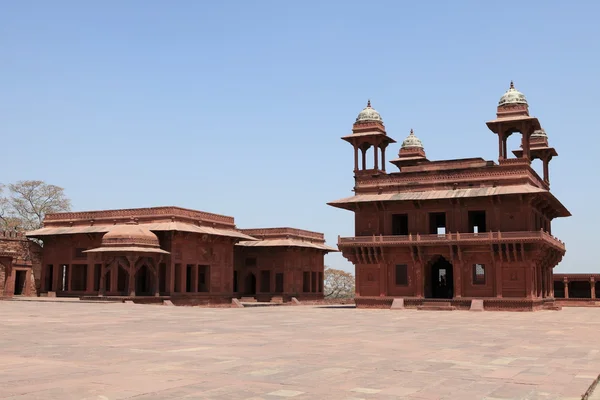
x=401, y=275
x=477, y=222
x=478, y=274
x=437, y=223
x=250, y=262
x=400, y=224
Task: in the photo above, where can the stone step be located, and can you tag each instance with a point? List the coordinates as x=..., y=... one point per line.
x=248, y=300
x=437, y=306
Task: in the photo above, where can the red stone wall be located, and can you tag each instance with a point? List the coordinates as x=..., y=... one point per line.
x=19, y=254
x=292, y=262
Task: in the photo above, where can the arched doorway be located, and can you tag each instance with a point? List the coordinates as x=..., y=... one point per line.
x=439, y=279
x=143, y=281
x=250, y=284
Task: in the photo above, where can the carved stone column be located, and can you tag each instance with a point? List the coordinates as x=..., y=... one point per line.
x=457, y=276
x=566, y=283
x=383, y=272
x=418, y=266
x=593, y=287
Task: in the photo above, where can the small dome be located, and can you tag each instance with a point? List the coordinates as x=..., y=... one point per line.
x=412, y=141
x=368, y=114
x=512, y=96
x=539, y=133
x=130, y=235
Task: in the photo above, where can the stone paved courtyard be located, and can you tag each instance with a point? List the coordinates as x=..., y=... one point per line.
x=72, y=350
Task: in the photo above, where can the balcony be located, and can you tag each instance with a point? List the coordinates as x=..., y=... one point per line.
x=453, y=238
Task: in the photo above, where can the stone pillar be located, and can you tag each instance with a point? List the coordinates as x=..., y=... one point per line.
x=418, y=273
x=504, y=152
x=43, y=273
x=170, y=278
x=355, y=158
x=500, y=147
x=526, y=145
x=102, y=279
x=357, y=280
x=364, y=158
x=498, y=268
x=546, y=170
x=457, y=275
x=593, y=287
x=376, y=156
x=529, y=281
x=89, y=283
x=69, y=277
x=566, y=283
x=183, y=277
x=383, y=159
x=383, y=272
x=194, y=278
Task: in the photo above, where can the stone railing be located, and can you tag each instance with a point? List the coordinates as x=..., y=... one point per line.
x=457, y=237
x=11, y=234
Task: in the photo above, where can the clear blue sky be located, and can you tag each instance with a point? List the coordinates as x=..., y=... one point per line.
x=237, y=107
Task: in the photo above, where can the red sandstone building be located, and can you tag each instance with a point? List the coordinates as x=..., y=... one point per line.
x=454, y=230
x=169, y=252
x=19, y=265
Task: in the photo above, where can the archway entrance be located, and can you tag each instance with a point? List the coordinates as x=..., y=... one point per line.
x=250, y=284
x=142, y=281
x=439, y=282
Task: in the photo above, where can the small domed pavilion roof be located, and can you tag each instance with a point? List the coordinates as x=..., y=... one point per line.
x=540, y=133
x=512, y=96
x=129, y=237
x=369, y=114
x=411, y=141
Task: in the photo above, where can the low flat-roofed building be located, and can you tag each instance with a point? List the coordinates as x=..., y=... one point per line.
x=185, y=255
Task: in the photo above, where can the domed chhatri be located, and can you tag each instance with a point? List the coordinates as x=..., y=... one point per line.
x=130, y=235
x=369, y=114
x=412, y=141
x=540, y=133
x=512, y=96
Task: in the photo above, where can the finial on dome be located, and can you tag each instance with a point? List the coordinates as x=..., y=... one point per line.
x=512, y=96
x=369, y=114
x=411, y=141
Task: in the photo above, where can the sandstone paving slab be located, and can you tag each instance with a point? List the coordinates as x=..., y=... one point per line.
x=116, y=351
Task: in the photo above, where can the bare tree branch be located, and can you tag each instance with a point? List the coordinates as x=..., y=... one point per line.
x=29, y=202
x=338, y=284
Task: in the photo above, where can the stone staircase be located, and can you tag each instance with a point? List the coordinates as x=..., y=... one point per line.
x=248, y=300
x=436, y=306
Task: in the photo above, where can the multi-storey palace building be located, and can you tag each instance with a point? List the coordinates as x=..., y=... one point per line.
x=454, y=230
x=186, y=255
